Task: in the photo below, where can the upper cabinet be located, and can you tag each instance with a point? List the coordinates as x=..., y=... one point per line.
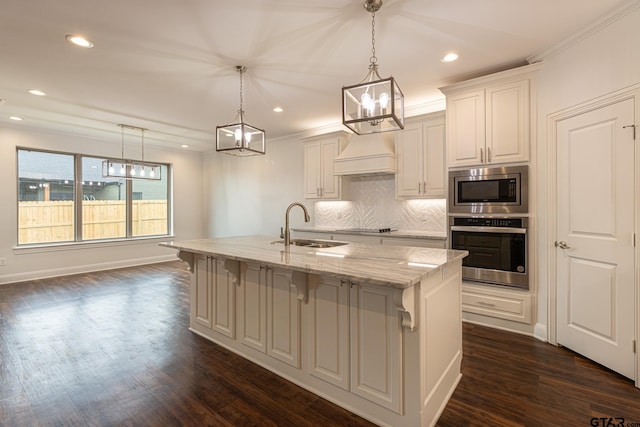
x=319, y=153
x=489, y=118
x=420, y=150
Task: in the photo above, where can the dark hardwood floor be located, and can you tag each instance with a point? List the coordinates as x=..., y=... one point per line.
x=112, y=348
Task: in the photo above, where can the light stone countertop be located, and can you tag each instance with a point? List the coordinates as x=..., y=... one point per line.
x=395, y=266
x=406, y=234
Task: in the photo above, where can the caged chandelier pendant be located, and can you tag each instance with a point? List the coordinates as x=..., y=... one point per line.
x=131, y=169
x=375, y=104
x=240, y=138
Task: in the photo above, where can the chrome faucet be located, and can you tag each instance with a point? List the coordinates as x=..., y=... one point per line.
x=287, y=232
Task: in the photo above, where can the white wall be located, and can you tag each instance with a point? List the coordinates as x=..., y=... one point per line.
x=603, y=62
x=249, y=195
x=21, y=265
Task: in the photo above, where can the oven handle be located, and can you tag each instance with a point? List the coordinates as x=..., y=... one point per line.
x=489, y=229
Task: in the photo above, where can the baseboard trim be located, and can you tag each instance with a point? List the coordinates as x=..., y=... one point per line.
x=85, y=268
x=540, y=332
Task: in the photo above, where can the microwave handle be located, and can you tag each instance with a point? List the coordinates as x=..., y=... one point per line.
x=489, y=229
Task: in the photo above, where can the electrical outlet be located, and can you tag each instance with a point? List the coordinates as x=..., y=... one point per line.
x=3, y=262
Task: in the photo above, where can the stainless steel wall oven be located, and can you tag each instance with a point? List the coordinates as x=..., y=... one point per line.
x=498, y=249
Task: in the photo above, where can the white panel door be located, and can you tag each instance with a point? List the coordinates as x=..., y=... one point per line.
x=595, y=225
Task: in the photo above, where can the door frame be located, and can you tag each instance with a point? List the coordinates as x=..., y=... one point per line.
x=631, y=92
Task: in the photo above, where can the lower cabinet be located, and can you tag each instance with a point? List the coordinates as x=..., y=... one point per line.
x=514, y=305
x=391, y=355
x=355, y=339
x=213, y=295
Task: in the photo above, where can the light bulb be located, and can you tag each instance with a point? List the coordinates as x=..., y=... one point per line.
x=133, y=170
x=367, y=104
x=142, y=171
x=111, y=168
x=152, y=173
x=122, y=170
x=384, y=101
x=247, y=137
x=238, y=135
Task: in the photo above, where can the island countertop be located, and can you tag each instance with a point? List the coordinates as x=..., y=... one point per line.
x=395, y=266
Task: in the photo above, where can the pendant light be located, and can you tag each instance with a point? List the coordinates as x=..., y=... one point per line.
x=131, y=169
x=240, y=138
x=375, y=104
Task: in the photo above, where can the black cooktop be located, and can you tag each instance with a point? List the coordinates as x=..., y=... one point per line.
x=370, y=230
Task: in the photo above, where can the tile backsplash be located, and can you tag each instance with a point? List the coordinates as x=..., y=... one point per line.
x=370, y=202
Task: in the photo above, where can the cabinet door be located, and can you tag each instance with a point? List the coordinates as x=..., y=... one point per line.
x=329, y=330
x=201, y=285
x=330, y=188
x=223, y=306
x=283, y=316
x=312, y=161
x=409, y=155
x=433, y=143
x=466, y=129
x=507, y=115
x=252, y=305
x=376, y=346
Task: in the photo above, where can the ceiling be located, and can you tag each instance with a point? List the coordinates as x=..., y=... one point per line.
x=169, y=65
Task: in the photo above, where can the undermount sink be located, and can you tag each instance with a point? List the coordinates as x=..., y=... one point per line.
x=312, y=243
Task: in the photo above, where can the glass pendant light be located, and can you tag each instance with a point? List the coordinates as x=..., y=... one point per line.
x=240, y=138
x=375, y=104
x=131, y=169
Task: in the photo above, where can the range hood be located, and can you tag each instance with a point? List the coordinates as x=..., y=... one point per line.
x=371, y=154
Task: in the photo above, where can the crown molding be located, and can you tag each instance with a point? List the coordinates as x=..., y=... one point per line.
x=586, y=32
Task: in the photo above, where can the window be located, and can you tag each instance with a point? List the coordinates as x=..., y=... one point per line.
x=64, y=198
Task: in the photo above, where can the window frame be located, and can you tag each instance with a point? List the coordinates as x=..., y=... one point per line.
x=78, y=242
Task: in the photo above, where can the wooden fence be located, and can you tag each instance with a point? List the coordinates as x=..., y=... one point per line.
x=42, y=222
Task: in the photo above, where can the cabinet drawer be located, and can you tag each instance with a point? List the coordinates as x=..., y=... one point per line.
x=496, y=303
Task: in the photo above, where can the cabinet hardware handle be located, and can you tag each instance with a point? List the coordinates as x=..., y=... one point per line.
x=424, y=187
x=321, y=191
x=487, y=304
x=634, y=130
x=419, y=190
x=317, y=191
x=488, y=154
x=481, y=155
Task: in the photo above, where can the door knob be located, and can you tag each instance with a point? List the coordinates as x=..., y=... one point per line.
x=562, y=244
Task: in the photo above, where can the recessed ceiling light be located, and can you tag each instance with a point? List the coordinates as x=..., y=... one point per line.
x=450, y=57
x=184, y=146
x=16, y=118
x=79, y=40
x=278, y=109
x=36, y=92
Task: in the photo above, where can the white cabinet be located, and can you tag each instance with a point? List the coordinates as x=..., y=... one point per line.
x=355, y=339
x=319, y=153
x=269, y=311
x=489, y=118
x=420, y=149
x=252, y=306
x=329, y=330
x=213, y=295
x=285, y=289
x=504, y=303
x=376, y=346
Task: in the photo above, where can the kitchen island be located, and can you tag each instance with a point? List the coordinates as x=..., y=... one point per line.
x=376, y=330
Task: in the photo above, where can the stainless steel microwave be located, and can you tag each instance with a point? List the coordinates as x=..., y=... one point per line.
x=500, y=190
